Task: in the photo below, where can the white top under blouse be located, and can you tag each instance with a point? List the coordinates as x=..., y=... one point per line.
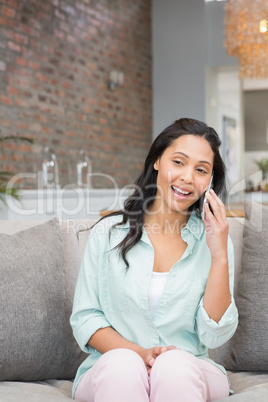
x=156, y=288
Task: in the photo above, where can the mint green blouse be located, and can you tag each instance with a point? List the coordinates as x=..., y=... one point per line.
x=108, y=295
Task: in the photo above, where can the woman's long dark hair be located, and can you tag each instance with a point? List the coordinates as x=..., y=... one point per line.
x=145, y=187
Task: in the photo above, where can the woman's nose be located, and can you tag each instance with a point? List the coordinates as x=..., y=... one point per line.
x=187, y=176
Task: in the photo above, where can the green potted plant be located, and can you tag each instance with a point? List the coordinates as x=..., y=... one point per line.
x=263, y=166
x=6, y=176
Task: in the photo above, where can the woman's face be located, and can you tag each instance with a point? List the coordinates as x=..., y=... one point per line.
x=184, y=172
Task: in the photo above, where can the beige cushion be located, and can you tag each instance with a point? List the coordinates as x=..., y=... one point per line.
x=236, y=227
x=74, y=234
x=249, y=345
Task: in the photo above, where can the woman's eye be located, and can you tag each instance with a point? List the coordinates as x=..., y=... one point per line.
x=178, y=162
x=201, y=171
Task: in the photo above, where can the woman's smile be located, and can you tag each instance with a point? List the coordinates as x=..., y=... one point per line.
x=180, y=193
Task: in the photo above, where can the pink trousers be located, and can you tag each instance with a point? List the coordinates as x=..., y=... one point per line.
x=120, y=375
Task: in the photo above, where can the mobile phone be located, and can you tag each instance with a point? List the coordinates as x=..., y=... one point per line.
x=205, y=199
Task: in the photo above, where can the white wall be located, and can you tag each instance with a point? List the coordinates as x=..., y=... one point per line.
x=216, y=54
x=225, y=99
x=179, y=59
x=188, y=38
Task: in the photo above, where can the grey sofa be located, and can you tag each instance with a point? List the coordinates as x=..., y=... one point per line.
x=21, y=384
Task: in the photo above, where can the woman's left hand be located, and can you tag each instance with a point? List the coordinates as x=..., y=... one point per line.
x=216, y=226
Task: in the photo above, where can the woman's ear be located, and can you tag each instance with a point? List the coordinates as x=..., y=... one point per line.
x=156, y=165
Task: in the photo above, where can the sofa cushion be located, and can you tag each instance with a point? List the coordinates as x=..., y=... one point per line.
x=249, y=345
x=74, y=238
x=36, y=341
x=41, y=391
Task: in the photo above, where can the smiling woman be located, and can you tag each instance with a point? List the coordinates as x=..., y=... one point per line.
x=182, y=177
x=155, y=290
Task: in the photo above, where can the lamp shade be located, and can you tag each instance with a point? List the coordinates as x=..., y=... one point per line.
x=246, y=36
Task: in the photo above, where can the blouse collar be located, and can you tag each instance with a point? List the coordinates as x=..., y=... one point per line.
x=195, y=226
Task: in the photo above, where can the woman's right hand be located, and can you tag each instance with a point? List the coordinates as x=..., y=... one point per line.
x=149, y=355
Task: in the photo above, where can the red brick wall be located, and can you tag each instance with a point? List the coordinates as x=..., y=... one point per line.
x=55, y=59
